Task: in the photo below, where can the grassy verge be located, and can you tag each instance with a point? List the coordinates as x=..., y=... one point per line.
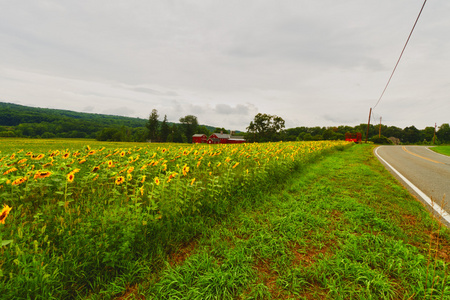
x=442, y=149
x=339, y=229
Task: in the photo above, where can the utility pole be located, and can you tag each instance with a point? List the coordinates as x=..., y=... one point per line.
x=379, y=131
x=434, y=135
x=368, y=123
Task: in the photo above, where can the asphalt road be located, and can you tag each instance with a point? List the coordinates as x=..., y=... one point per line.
x=425, y=173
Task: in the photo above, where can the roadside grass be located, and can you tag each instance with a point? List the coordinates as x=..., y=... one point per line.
x=441, y=149
x=341, y=228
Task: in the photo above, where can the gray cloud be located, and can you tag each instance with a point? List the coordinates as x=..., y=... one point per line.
x=207, y=58
x=225, y=109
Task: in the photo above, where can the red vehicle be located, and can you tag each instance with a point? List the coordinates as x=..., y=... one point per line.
x=353, y=137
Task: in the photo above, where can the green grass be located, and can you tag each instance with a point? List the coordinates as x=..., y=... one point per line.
x=341, y=228
x=442, y=149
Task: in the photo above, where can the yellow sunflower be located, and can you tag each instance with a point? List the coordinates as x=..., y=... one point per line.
x=4, y=213
x=70, y=177
x=185, y=170
x=41, y=175
x=10, y=171
x=120, y=180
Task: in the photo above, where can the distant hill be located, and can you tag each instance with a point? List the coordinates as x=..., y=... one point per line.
x=25, y=121
x=14, y=114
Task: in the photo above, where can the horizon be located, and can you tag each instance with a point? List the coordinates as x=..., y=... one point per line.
x=235, y=130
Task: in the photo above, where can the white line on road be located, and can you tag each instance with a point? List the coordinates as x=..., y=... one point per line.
x=428, y=148
x=427, y=199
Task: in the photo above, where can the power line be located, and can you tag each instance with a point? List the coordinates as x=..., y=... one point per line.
x=404, y=47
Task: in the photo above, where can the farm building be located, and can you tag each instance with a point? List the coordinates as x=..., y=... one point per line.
x=199, y=138
x=218, y=138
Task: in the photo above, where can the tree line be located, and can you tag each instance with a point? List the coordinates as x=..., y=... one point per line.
x=22, y=121
x=407, y=135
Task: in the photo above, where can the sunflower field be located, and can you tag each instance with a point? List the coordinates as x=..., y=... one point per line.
x=75, y=220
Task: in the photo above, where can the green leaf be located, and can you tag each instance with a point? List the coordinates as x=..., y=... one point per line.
x=4, y=243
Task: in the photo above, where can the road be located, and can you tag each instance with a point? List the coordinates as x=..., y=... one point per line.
x=424, y=172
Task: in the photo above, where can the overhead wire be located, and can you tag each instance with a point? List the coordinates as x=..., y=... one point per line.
x=401, y=54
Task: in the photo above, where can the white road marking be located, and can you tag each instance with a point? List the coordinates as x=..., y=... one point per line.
x=436, y=207
x=428, y=148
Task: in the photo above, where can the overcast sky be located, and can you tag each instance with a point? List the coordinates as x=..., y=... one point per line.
x=313, y=63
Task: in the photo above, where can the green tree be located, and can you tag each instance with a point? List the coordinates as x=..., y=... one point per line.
x=411, y=134
x=203, y=130
x=265, y=128
x=152, y=125
x=428, y=134
x=165, y=129
x=443, y=133
x=190, y=124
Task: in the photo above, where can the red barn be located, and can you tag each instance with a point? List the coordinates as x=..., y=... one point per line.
x=218, y=138
x=353, y=137
x=221, y=138
x=199, y=138
x=236, y=140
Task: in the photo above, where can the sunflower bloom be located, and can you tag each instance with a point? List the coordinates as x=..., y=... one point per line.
x=185, y=170
x=38, y=157
x=19, y=181
x=157, y=182
x=40, y=175
x=172, y=176
x=235, y=165
x=22, y=161
x=70, y=177
x=120, y=180
x=95, y=169
x=110, y=164
x=10, y=171
x=4, y=213
x=131, y=169
x=66, y=155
